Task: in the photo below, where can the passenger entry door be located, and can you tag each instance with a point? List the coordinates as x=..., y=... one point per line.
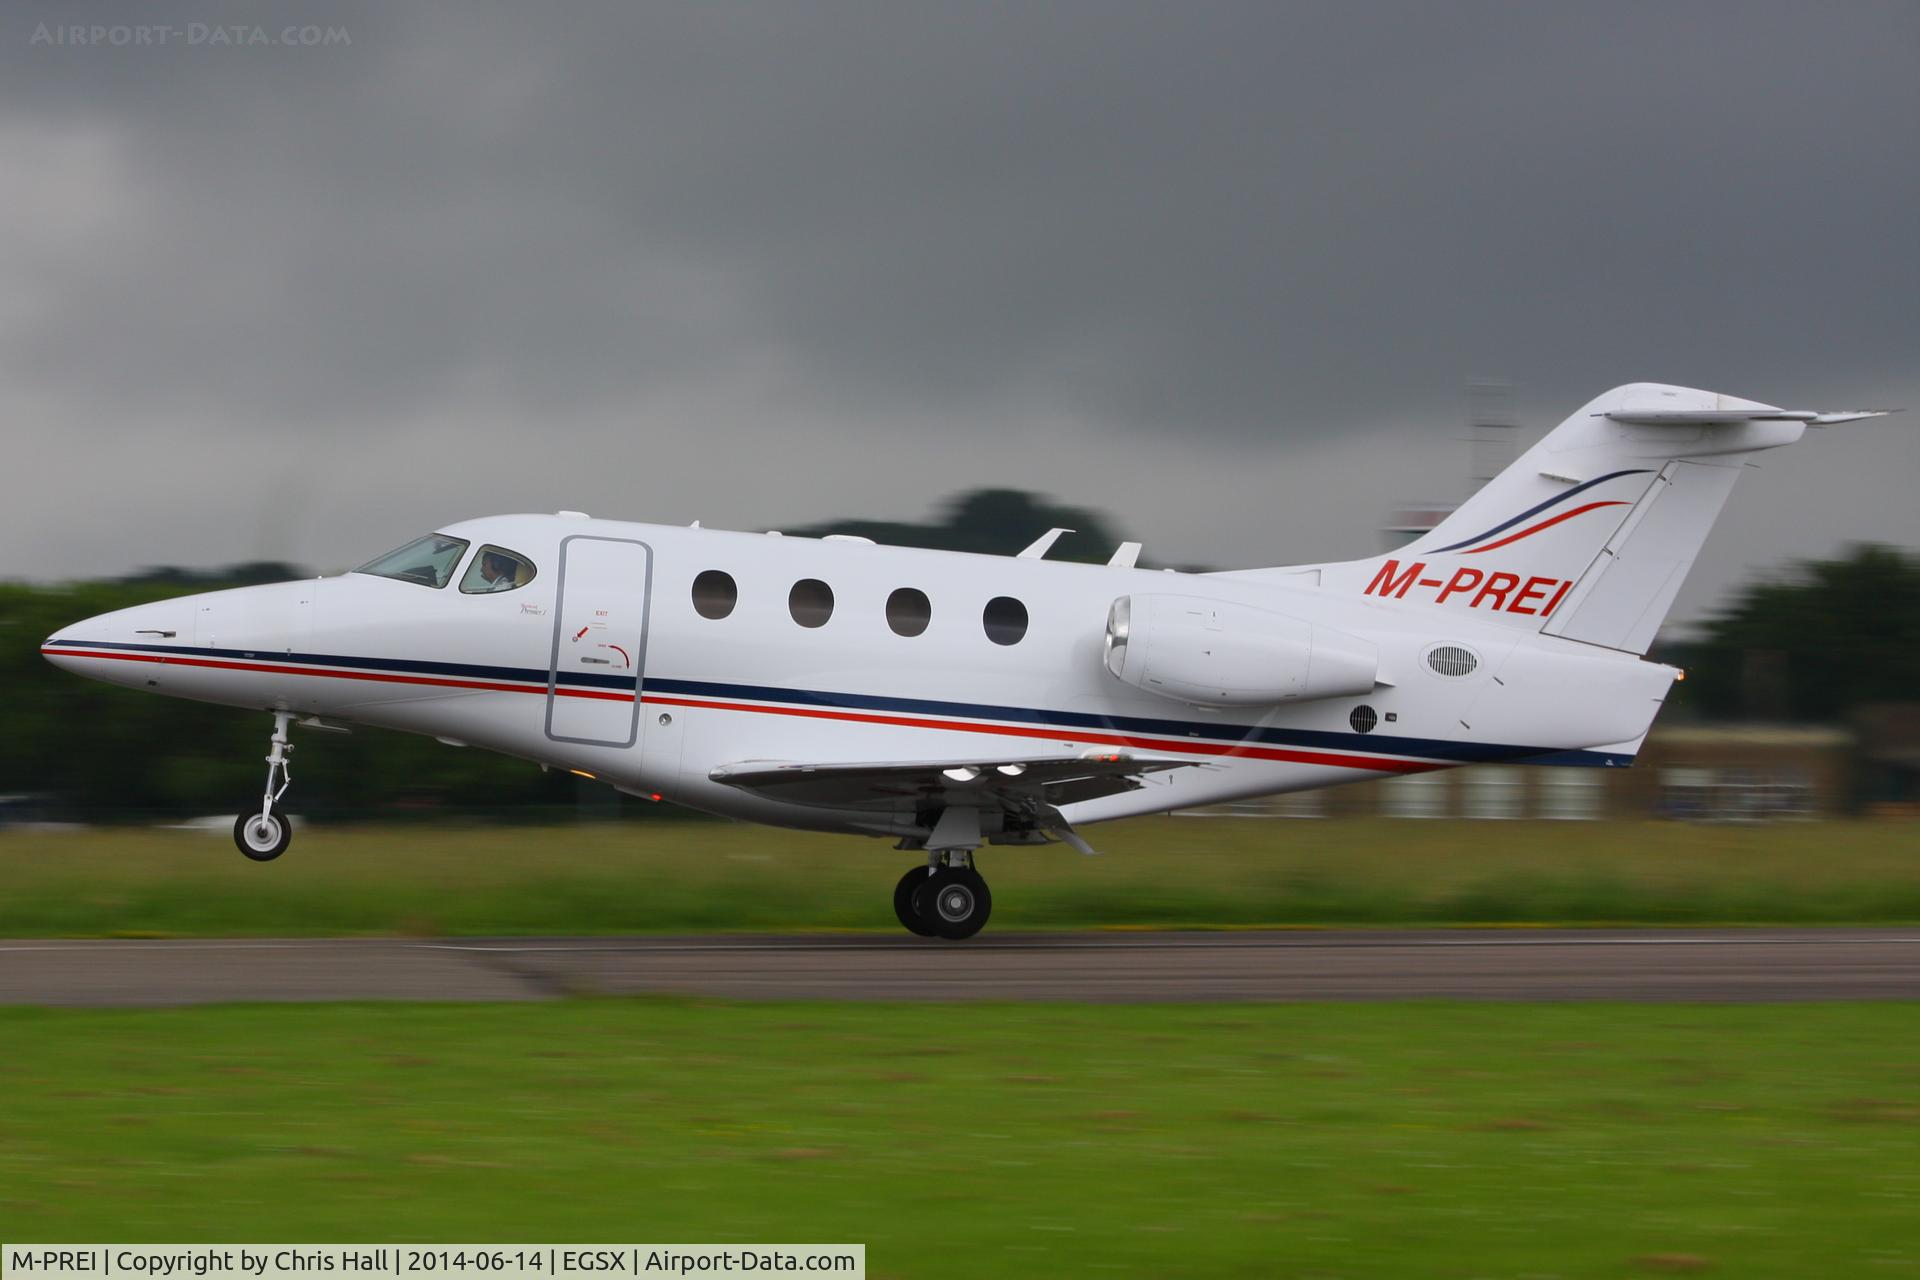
x=599, y=641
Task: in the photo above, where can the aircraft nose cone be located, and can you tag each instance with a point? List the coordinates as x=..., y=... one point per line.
x=58, y=647
x=99, y=646
x=68, y=645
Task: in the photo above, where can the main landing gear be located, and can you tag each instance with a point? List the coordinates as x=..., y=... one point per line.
x=264, y=836
x=947, y=898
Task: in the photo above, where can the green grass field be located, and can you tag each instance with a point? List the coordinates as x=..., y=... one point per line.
x=1157, y=872
x=1395, y=1140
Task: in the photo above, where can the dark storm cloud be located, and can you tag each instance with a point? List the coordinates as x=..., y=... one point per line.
x=1238, y=224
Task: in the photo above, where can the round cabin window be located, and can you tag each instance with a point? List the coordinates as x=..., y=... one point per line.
x=810, y=602
x=1005, y=620
x=909, y=611
x=714, y=594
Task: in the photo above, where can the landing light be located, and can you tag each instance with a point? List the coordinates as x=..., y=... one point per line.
x=1012, y=770
x=965, y=773
x=582, y=773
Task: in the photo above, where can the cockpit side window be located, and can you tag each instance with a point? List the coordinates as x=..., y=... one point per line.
x=428, y=561
x=497, y=569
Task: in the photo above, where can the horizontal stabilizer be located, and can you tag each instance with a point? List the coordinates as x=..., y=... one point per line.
x=1708, y=417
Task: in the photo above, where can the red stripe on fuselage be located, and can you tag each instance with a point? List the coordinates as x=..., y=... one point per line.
x=1332, y=759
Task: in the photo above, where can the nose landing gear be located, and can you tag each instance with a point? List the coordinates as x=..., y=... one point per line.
x=264, y=836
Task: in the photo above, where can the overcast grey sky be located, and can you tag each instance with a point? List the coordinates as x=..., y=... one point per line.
x=1221, y=270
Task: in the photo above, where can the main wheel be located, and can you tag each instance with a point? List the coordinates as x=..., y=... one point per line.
x=955, y=902
x=262, y=838
x=911, y=920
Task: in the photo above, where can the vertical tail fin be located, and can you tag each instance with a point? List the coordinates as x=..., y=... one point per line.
x=1591, y=532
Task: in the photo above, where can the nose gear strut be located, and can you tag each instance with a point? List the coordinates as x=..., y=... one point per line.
x=264, y=836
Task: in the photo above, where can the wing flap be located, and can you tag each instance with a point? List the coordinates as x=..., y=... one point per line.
x=1018, y=782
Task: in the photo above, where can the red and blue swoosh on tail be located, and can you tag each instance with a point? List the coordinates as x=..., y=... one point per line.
x=1467, y=546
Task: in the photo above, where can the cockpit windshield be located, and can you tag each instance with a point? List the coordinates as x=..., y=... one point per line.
x=428, y=561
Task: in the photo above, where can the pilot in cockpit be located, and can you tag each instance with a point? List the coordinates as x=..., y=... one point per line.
x=496, y=571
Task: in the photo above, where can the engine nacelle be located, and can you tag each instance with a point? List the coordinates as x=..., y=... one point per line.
x=1217, y=653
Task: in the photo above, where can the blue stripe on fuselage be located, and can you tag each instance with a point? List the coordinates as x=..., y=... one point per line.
x=1371, y=743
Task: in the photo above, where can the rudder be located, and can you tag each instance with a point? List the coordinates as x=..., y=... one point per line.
x=1621, y=599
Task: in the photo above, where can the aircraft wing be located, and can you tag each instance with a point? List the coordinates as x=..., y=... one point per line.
x=1023, y=784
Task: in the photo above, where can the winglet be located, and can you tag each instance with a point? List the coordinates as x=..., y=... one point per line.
x=1126, y=556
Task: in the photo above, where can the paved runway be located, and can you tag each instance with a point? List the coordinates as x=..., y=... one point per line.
x=1680, y=964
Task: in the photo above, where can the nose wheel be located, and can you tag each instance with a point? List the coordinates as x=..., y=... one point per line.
x=943, y=900
x=264, y=835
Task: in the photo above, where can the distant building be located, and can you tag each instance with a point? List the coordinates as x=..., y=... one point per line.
x=1491, y=428
x=1406, y=524
x=23, y=808
x=1889, y=757
x=1701, y=773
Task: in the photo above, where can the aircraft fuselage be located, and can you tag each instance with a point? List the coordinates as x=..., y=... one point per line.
x=548, y=671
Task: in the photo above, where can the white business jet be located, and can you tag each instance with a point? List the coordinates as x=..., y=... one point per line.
x=951, y=701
